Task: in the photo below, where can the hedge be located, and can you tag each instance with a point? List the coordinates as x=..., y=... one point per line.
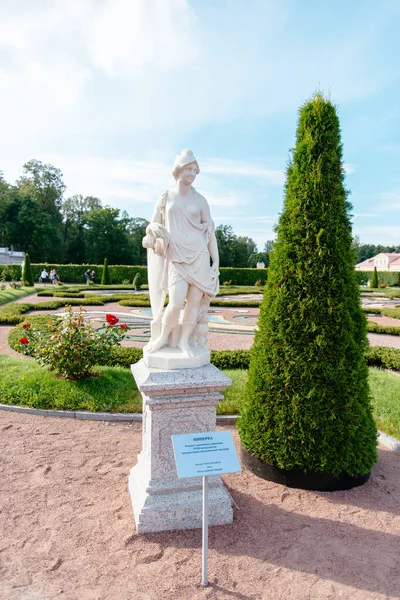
x=74, y=273
x=13, y=314
x=376, y=356
x=391, y=278
x=385, y=358
x=386, y=329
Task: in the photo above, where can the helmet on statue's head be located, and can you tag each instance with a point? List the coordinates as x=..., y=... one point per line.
x=184, y=158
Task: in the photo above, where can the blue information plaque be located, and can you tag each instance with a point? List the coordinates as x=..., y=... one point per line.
x=202, y=454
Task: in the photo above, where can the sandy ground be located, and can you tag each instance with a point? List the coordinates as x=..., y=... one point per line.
x=67, y=528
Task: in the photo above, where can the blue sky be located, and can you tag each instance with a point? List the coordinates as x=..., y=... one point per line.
x=110, y=90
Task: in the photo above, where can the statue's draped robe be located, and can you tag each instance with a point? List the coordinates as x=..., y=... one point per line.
x=186, y=251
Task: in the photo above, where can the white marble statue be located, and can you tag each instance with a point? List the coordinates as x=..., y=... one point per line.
x=181, y=241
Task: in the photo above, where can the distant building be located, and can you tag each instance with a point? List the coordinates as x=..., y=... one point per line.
x=11, y=257
x=385, y=261
x=260, y=265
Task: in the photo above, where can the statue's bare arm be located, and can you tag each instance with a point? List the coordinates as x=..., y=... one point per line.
x=212, y=242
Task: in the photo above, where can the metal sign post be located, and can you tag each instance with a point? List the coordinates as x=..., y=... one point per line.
x=204, y=574
x=212, y=452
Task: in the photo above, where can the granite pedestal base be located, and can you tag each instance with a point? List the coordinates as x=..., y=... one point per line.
x=174, y=402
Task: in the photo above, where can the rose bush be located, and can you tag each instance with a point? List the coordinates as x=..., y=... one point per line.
x=71, y=346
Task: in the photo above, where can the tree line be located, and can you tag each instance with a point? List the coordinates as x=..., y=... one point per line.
x=364, y=251
x=35, y=217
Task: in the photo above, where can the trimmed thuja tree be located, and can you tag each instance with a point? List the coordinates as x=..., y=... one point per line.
x=27, y=277
x=105, y=277
x=307, y=420
x=374, y=280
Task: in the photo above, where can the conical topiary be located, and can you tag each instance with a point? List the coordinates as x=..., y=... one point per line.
x=307, y=412
x=374, y=280
x=27, y=277
x=105, y=276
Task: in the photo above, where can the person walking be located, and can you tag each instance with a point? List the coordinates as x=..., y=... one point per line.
x=43, y=276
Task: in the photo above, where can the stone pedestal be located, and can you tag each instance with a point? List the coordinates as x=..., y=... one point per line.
x=175, y=401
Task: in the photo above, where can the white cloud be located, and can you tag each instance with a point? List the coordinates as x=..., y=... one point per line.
x=127, y=36
x=365, y=215
x=379, y=234
x=349, y=168
x=390, y=201
x=246, y=169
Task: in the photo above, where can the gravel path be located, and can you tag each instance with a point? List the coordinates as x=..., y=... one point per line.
x=67, y=529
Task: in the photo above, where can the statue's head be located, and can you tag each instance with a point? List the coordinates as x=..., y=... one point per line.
x=183, y=159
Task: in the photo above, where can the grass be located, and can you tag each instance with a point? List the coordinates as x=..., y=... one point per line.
x=385, y=389
x=24, y=382
x=233, y=395
x=11, y=294
x=233, y=290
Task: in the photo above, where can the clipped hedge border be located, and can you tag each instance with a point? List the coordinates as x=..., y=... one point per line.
x=391, y=278
x=122, y=356
x=75, y=273
x=12, y=315
x=393, y=313
x=386, y=329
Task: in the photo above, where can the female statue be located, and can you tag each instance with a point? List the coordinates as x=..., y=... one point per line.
x=181, y=241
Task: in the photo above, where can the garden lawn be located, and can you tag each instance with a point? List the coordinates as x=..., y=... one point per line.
x=385, y=392
x=11, y=294
x=24, y=382
x=385, y=389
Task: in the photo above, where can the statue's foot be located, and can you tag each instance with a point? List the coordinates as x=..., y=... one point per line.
x=186, y=348
x=154, y=346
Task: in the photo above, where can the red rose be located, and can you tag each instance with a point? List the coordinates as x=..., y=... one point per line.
x=26, y=325
x=24, y=341
x=123, y=326
x=76, y=347
x=111, y=319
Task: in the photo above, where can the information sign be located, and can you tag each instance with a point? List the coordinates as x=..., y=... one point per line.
x=202, y=454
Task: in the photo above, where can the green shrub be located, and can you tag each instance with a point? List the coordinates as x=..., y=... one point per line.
x=27, y=277
x=71, y=347
x=386, y=329
x=307, y=402
x=385, y=358
x=62, y=294
x=124, y=357
x=11, y=272
x=393, y=313
x=392, y=294
x=135, y=302
x=46, y=293
x=374, y=280
x=390, y=278
x=242, y=303
x=9, y=315
x=230, y=359
x=242, y=276
x=74, y=273
x=372, y=311
x=12, y=314
x=105, y=276
x=137, y=280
